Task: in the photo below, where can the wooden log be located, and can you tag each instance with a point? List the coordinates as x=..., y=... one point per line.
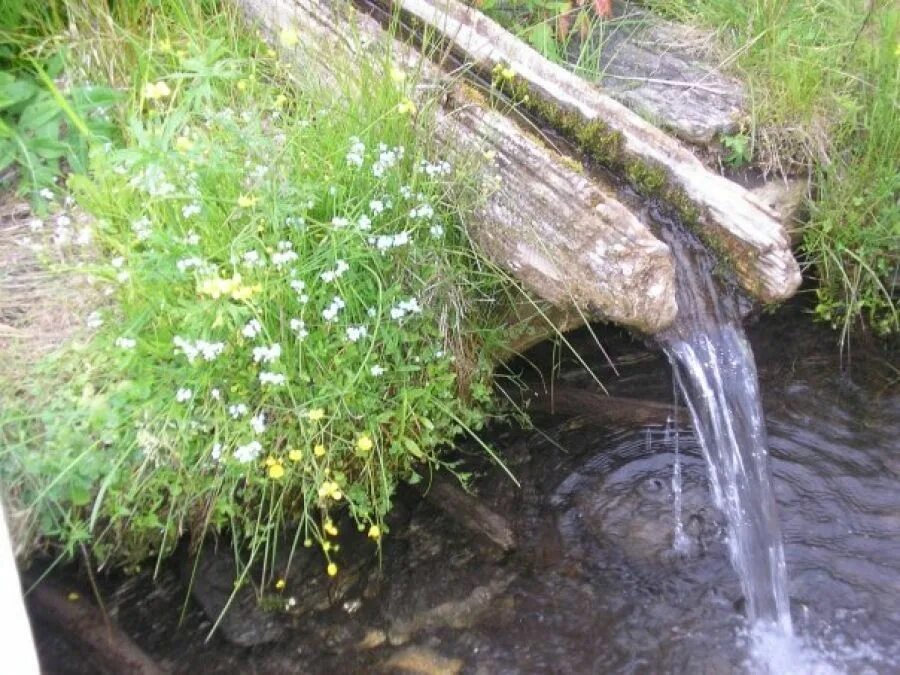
x=563, y=235
x=730, y=220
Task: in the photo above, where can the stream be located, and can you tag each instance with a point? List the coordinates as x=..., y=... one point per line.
x=603, y=578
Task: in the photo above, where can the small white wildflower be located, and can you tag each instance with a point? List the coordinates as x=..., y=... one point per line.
x=258, y=423
x=406, y=191
x=295, y=221
x=330, y=313
x=297, y=285
x=183, y=395
x=339, y=222
x=237, y=410
x=186, y=264
x=216, y=394
x=437, y=231
x=355, y=333
x=282, y=258
x=94, y=320
x=371, y=311
x=46, y=193
x=356, y=152
x=189, y=210
x=253, y=259
x=192, y=238
x=376, y=206
x=364, y=223
x=141, y=228
x=35, y=224
x=210, y=350
x=186, y=347
x=422, y=211
x=275, y=379
x=252, y=329
x=117, y=262
x=376, y=370
x=248, y=453
x=216, y=452
x=126, y=343
x=266, y=354
x=123, y=276
x=299, y=328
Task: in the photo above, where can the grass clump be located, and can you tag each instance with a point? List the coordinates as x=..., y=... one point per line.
x=293, y=320
x=825, y=94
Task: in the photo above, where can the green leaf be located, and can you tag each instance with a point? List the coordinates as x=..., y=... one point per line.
x=541, y=38
x=413, y=448
x=14, y=92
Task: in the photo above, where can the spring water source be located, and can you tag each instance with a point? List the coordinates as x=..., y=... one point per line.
x=715, y=373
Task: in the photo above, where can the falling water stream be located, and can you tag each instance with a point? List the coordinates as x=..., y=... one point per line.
x=716, y=375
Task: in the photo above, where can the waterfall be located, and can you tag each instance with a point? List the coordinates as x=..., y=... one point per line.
x=715, y=372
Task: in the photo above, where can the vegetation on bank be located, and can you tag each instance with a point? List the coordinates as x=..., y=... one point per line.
x=824, y=84
x=288, y=317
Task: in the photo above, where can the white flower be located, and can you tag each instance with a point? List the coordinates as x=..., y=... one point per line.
x=276, y=379
x=216, y=452
x=46, y=193
x=35, y=224
x=258, y=423
x=117, y=262
x=141, y=228
x=253, y=259
x=437, y=231
x=355, y=154
x=406, y=191
x=189, y=263
x=266, y=354
x=210, y=350
x=371, y=312
x=364, y=223
x=126, y=343
x=423, y=211
x=252, y=329
x=248, y=453
x=192, y=238
x=297, y=285
x=376, y=206
x=189, y=210
x=405, y=307
x=94, y=320
x=299, y=327
x=122, y=276
x=183, y=395
x=295, y=221
x=328, y=276
x=216, y=394
x=339, y=222
x=237, y=410
x=376, y=370
x=355, y=333
x=330, y=313
x=282, y=258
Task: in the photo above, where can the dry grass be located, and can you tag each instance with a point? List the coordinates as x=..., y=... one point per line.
x=44, y=297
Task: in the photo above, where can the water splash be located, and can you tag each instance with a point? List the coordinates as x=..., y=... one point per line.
x=681, y=543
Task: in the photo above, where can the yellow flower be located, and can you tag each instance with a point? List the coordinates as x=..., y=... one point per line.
x=245, y=292
x=364, y=443
x=280, y=584
x=295, y=455
x=315, y=414
x=288, y=37
x=271, y=53
x=276, y=471
x=330, y=489
x=326, y=546
x=330, y=528
x=406, y=107
x=271, y=460
x=246, y=201
x=336, y=495
x=242, y=85
x=375, y=532
x=183, y=144
x=73, y=596
x=332, y=569
x=319, y=450
x=156, y=90
x=280, y=100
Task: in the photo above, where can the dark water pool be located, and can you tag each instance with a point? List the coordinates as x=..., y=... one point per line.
x=595, y=584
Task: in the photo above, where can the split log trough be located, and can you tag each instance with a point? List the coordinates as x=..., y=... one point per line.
x=559, y=228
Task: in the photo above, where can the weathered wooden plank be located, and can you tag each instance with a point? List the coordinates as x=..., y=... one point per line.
x=563, y=235
x=728, y=218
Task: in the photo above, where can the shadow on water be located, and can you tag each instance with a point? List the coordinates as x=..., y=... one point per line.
x=595, y=584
